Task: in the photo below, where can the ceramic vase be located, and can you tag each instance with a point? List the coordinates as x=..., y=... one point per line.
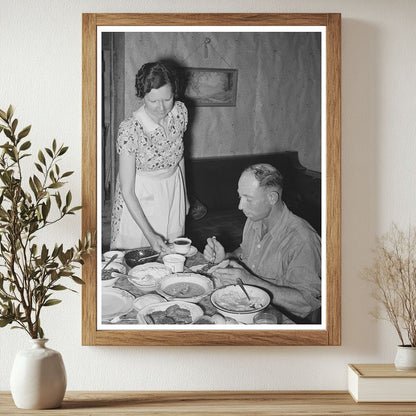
x=405, y=358
x=38, y=377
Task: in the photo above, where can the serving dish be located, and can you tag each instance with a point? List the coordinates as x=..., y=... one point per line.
x=115, y=302
x=139, y=256
x=195, y=311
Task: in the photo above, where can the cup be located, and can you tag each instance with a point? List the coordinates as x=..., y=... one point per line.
x=175, y=262
x=182, y=245
x=265, y=318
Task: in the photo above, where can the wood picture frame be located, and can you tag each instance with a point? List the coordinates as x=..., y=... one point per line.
x=330, y=332
x=220, y=91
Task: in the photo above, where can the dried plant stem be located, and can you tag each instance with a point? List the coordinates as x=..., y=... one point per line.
x=393, y=276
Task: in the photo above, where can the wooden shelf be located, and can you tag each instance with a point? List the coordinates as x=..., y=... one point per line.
x=221, y=403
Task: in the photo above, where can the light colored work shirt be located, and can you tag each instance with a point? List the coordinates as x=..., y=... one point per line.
x=288, y=255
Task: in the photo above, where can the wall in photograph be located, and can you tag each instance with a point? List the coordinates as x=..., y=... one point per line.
x=278, y=92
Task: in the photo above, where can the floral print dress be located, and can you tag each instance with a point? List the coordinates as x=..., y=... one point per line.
x=160, y=182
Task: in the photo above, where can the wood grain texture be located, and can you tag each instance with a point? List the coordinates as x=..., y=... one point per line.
x=380, y=371
x=332, y=334
x=220, y=403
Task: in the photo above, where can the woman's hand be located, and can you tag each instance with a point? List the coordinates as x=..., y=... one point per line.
x=214, y=251
x=158, y=243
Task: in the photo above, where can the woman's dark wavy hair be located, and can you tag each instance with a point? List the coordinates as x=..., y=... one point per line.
x=154, y=75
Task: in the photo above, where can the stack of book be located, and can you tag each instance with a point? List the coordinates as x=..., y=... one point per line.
x=381, y=383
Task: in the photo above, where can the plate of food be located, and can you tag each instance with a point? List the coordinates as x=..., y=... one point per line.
x=208, y=268
x=115, y=302
x=170, y=313
x=146, y=276
x=190, y=287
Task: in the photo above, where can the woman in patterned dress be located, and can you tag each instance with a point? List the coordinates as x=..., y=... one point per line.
x=150, y=200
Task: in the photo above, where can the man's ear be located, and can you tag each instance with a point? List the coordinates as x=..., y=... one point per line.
x=273, y=197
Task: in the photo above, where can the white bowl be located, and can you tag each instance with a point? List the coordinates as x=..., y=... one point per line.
x=115, y=266
x=146, y=300
x=189, y=287
x=146, y=276
x=175, y=262
x=108, y=255
x=232, y=302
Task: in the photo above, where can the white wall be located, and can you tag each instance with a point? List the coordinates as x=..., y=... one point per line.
x=40, y=73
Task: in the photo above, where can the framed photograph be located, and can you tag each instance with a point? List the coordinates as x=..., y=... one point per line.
x=210, y=87
x=286, y=112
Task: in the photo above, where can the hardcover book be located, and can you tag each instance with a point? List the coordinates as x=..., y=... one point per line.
x=381, y=383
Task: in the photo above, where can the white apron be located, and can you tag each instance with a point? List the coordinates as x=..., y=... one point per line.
x=162, y=197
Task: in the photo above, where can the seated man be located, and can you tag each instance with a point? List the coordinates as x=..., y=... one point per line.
x=280, y=251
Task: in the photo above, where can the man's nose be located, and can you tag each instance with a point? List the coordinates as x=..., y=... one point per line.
x=240, y=205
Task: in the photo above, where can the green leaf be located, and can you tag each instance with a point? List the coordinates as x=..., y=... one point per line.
x=3, y=115
x=25, y=145
x=77, y=280
x=45, y=210
x=8, y=133
x=41, y=157
x=14, y=125
x=68, y=199
x=40, y=332
x=59, y=287
x=56, y=185
x=10, y=112
x=63, y=150
x=44, y=253
x=39, y=167
x=24, y=133
x=51, y=302
x=37, y=183
x=67, y=174
x=54, y=145
x=58, y=199
x=49, y=152
x=5, y=321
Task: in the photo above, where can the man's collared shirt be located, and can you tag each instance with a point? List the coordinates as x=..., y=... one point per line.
x=287, y=255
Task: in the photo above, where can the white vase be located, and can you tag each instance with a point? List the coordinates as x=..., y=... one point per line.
x=38, y=377
x=405, y=358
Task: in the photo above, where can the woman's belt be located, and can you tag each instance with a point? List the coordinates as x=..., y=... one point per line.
x=157, y=174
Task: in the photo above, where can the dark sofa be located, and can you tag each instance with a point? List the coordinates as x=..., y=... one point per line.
x=212, y=182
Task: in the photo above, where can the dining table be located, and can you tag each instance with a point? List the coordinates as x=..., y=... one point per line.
x=192, y=262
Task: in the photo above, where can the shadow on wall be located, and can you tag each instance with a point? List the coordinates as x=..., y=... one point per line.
x=360, y=179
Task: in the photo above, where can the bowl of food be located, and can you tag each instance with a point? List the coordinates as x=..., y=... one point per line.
x=107, y=278
x=113, y=255
x=232, y=302
x=146, y=276
x=170, y=313
x=189, y=287
x=139, y=256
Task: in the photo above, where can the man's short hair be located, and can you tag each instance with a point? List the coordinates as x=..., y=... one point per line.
x=267, y=176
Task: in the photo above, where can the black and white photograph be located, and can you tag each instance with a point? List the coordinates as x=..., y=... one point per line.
x=211, y=165
x=211, y=154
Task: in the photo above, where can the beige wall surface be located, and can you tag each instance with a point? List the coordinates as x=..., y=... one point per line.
x=278, y=90
x=40, y=74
